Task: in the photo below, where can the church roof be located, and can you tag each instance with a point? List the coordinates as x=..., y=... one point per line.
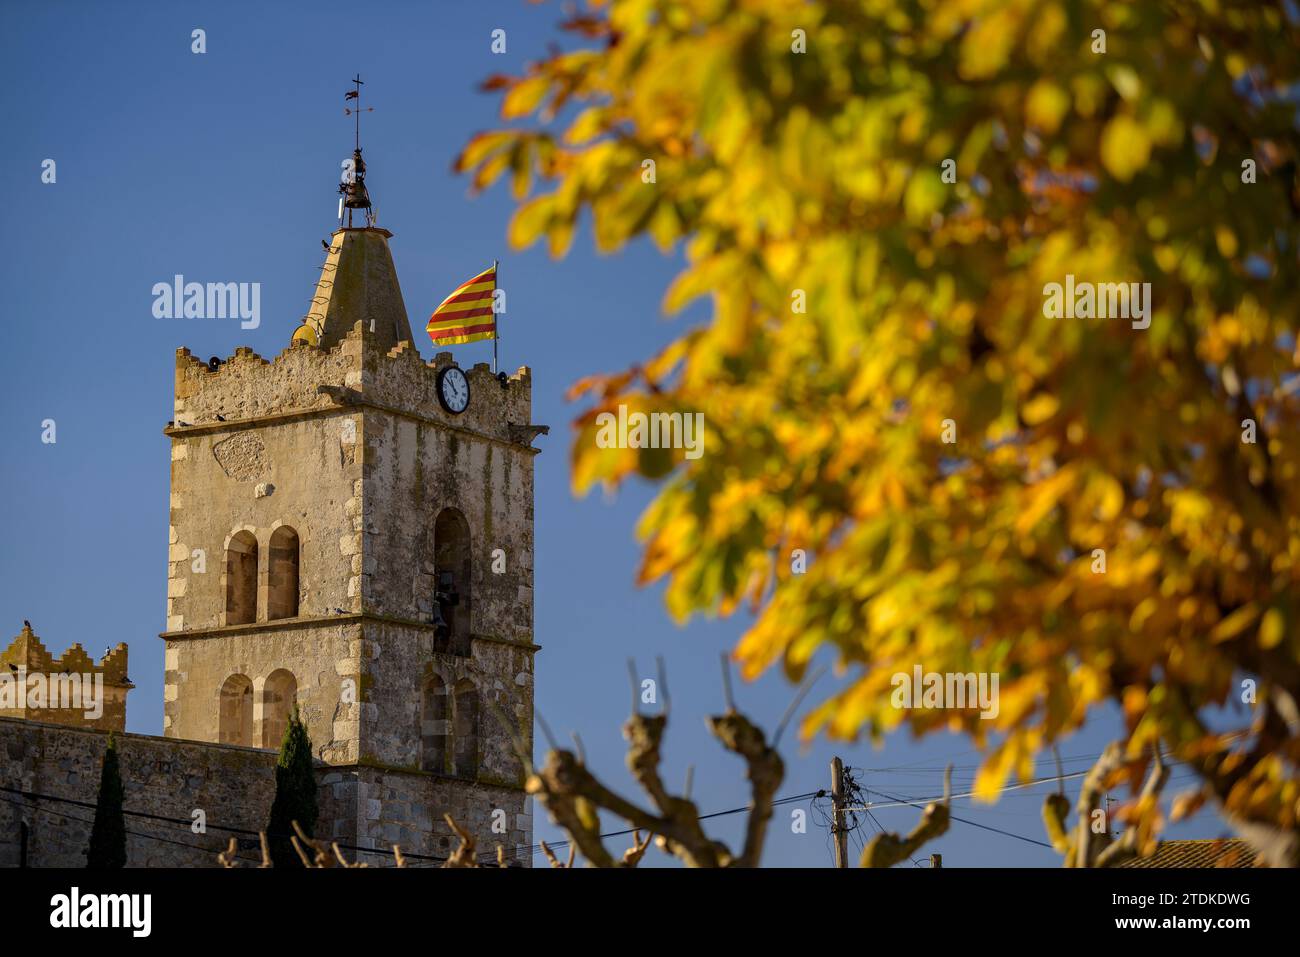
x=358, y=283
x=1218, y=852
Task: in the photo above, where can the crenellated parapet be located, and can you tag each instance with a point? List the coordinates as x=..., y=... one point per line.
x=401, y=381
x=358, y=371
x=247, y=386
x=69, y=689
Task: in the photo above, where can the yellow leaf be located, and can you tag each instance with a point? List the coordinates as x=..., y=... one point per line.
x=530, y=221
x=589, y=124
x=1040, y=408
x=1043, y=497
x=480, y=147
x=925, y=195
x=524, y=96
x=1235, y=623
x=1272, y=629
x=1125, y=147
x=1046, y=106
x=993, y=772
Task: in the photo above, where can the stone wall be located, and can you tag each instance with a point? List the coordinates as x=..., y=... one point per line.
x=372, y=807
x=301, y=473
x=170, y=778
x=165, y=777
x=415, y=469
x=320, y=655
x=397, y=660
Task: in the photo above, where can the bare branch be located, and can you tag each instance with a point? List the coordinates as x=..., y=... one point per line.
x=573, y=796
x=632, y=856
x=727, y=697
x=795, y=702
x=463, y=856
x=228, y=857
x=636, y=684
x=1088, y=845
x=887, y=849
x=663, y=686
x=1128, y=846
x=550, y=855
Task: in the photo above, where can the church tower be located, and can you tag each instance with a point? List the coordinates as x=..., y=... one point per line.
x=345, y=538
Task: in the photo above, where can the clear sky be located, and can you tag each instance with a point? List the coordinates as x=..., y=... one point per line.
x=223, y=167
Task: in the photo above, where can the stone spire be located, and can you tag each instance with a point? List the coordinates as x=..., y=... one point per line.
x=358, y=283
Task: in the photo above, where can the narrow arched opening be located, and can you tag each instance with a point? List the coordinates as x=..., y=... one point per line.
x=465, y=730
x=453, y=602
x=278, y=697
x=241, y=579
x=282, y=592
x=235, y=711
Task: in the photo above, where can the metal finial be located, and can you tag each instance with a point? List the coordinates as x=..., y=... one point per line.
x=353, y=189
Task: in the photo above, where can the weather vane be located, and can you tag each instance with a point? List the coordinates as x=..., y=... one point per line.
x=353, y=187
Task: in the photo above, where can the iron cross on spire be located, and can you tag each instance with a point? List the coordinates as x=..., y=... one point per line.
x=356, y=95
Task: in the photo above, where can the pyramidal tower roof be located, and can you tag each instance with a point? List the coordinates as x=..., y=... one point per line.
x=358, y=283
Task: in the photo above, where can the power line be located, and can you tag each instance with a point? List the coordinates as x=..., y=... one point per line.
x=996, y=830
x=151, y=837
x=187, y=823
x=954, y=797
x=533, y=848
x=536, y=848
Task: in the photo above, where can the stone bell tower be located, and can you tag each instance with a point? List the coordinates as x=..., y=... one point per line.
x=342, y=538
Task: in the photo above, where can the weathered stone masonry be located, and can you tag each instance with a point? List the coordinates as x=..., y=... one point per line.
x=341, y=541
x=232, y=785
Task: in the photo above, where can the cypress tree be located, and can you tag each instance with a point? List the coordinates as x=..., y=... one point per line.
x=295, y=793
x=108, y=833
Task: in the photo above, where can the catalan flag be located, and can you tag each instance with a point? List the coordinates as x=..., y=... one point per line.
x=466, y=315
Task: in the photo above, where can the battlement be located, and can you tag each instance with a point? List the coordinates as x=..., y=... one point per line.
x=27, y=651
x=354, y=348
x=401, y=380
x=246, y=386
x=355, y=371
x=70, y=689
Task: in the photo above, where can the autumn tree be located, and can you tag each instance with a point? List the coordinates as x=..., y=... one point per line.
x=915, y=452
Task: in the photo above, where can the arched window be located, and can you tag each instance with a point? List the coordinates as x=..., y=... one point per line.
x=235, y=711
x=282, y=596
x=452, y=581
x=278, y=696
x=434, y=726
x=241, y=579
x=465, y=729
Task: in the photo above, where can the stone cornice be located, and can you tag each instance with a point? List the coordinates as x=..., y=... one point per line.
x=280, y=624
x=279, y=418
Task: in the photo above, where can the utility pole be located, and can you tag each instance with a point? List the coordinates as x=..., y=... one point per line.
x=838, y=829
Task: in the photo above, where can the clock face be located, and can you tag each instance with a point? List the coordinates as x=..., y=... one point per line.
x=453, y=390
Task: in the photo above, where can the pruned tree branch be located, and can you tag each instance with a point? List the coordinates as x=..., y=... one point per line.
x=573, y=796
x=887, y=849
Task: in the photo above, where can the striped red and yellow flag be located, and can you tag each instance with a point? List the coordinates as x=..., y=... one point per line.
x=466, y=315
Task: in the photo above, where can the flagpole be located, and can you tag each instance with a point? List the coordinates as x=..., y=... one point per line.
x=496, y=322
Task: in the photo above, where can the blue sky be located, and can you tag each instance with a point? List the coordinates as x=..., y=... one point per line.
x=223, y=167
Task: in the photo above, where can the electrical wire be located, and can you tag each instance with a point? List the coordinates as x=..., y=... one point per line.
x=987, y=827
